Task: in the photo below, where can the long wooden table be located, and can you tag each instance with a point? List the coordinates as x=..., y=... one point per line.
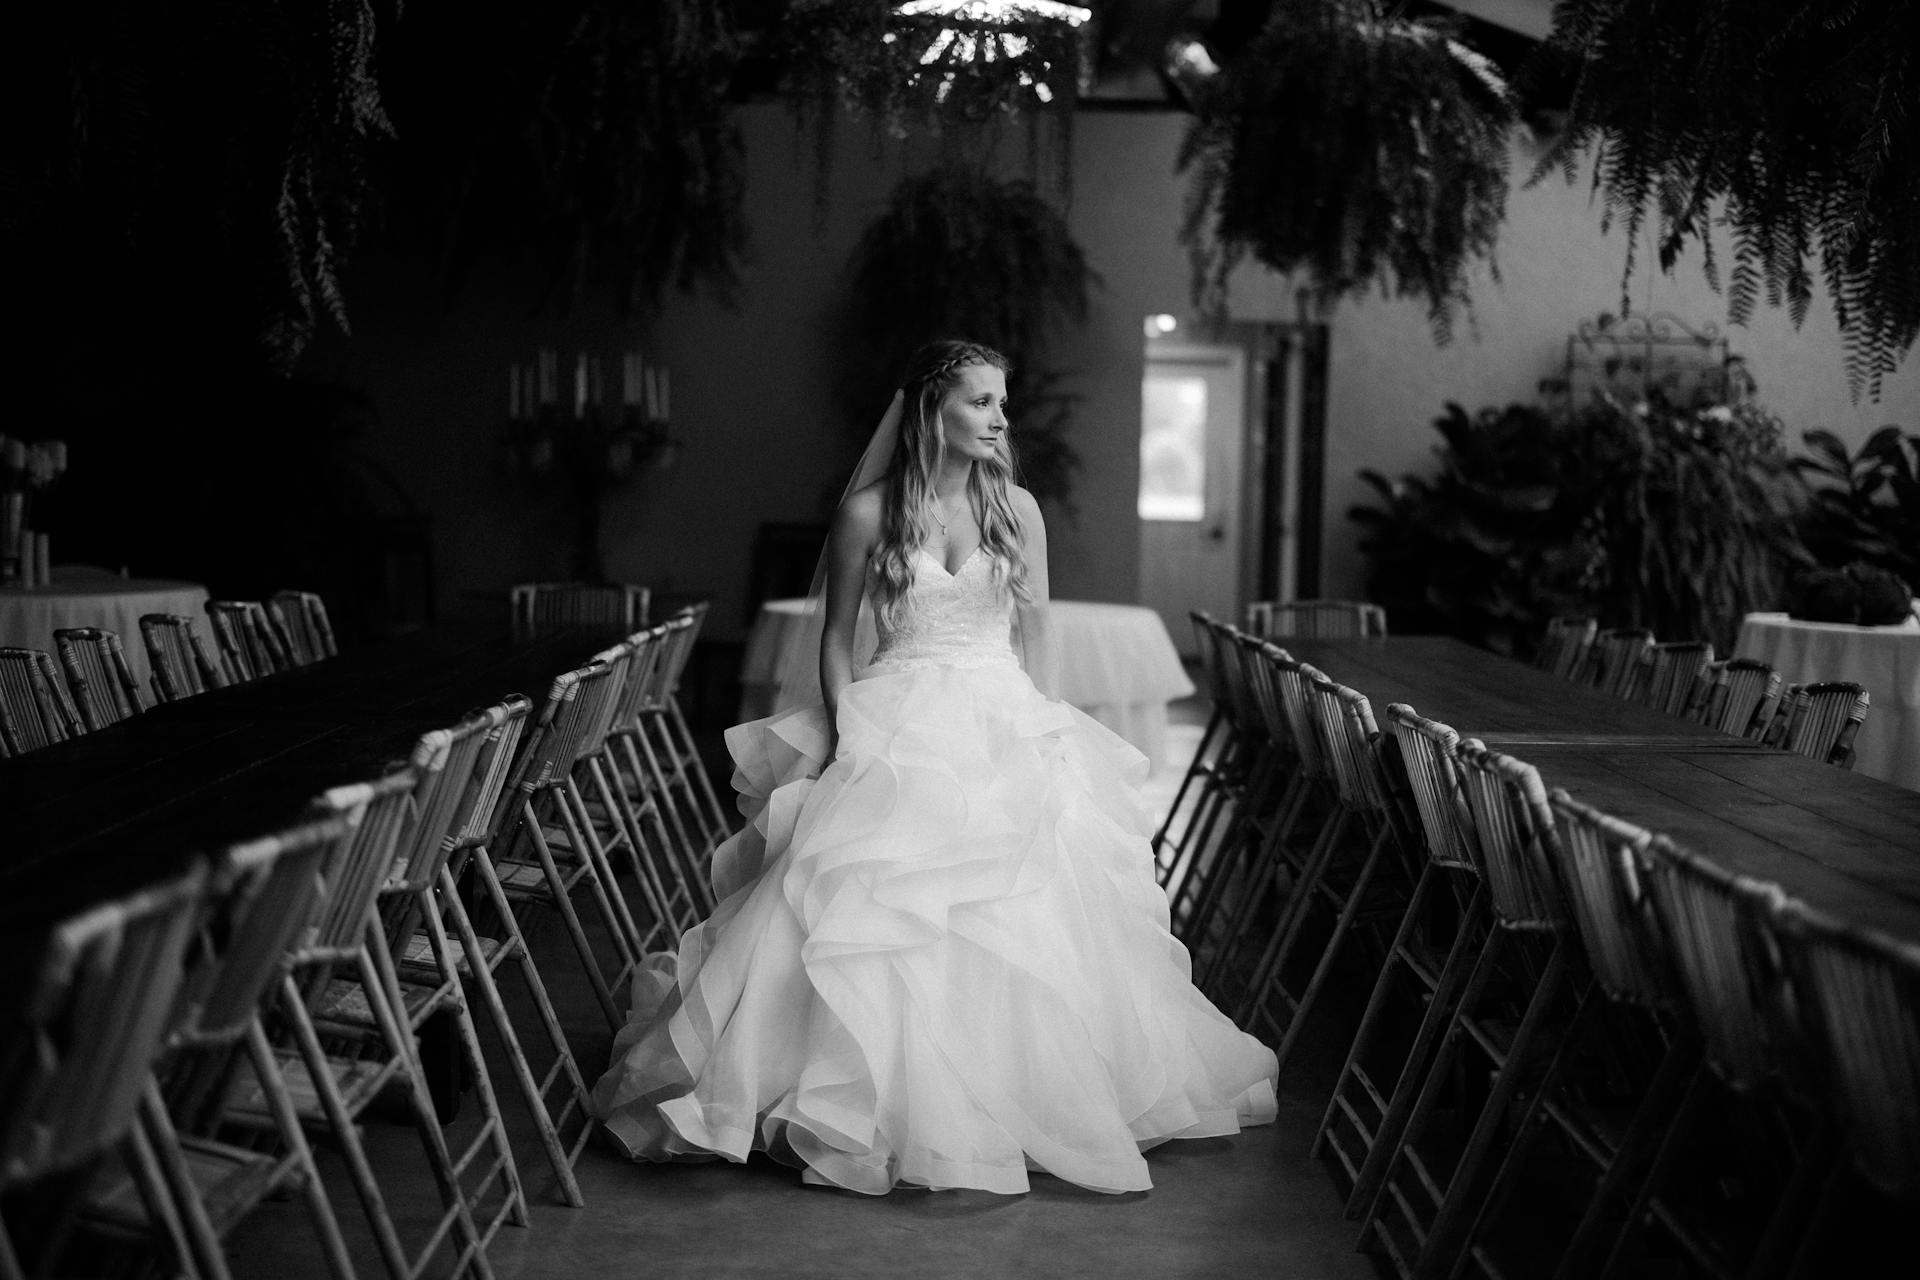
x=107, y=813
x=1838, y=840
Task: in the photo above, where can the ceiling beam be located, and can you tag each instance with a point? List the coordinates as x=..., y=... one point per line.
x=1530, y=18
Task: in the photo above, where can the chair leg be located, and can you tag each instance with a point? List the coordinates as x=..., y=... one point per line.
x=663, y=931
x=1267, y=972
x=1196, y=768
x=266, y=1069
x=1349, y=910
x=560, y=894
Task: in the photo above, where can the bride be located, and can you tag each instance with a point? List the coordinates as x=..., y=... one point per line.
x=940, y=958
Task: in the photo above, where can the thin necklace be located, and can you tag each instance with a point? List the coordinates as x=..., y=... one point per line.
x=936, y=508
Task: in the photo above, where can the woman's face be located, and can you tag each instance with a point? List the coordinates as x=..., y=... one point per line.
x=973, y=417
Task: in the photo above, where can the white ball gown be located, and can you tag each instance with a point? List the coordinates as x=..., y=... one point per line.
x=940, y=959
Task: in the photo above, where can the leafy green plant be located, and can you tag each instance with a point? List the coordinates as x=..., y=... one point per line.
x=1789, y=120
x=960, y=253
x=1361, y=148
x=1865, y=506
x=1680, y=520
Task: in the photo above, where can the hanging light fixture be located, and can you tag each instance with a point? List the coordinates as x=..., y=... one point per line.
x=966, y=58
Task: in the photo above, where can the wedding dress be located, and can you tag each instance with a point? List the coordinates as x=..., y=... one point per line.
x=940, y=958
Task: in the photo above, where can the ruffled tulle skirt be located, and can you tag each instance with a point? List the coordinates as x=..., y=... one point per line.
x=939, y=959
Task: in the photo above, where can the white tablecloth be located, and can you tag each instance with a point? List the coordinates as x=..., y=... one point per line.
x=1117, y=664
x=1886, y=660
x=28, y=618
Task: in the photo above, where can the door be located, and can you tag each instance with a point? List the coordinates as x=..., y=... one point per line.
x=1193, y=427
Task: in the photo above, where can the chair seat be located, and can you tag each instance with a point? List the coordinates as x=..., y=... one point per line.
x=230, y=1180
x=342, y=1008
x=529, y=879
x=418, y=957
x=358, y=1081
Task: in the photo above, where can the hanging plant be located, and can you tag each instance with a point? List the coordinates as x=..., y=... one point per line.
x=638, y=152
x=1791, y=120
x=960, y=253
x=942, y=68
x=1357, y=148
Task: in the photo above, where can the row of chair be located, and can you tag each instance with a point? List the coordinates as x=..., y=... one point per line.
x=1740, y=696
x=39, y=708
x=277, y=992
x=1586, y=1049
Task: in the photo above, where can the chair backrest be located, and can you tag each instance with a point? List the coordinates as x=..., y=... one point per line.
x=1856, y=991
x=1206, y=637
x=1519, y=847
x=573, y=699
x=445, y=760
x=1316, y=619
x=1295, y=681
x=1671, y=673
x=1821, y=720
x=683, y=633
x=1599, y=874
x=1427, y=749
x=649, y=676
x=1714, y=925
x=263, y=898
x=301, y=617
x=1256, y=657
x=1242, y=706
x=250, y=647
x=377, y=814
x=1615, y=658
x=1563, y=651
x=1745, y=694
x=81, y=1039
x=482, y=812
x=1353, y=743
x=97, y=675
x=181, y=666
x=543, y=607
x=35, y=710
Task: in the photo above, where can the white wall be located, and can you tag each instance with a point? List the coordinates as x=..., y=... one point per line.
x=752, y=388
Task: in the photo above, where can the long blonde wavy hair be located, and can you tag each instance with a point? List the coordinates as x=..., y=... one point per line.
x=932, y=372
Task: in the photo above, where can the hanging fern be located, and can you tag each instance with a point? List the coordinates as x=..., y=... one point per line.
x=1794, y=117
x=1358, y=148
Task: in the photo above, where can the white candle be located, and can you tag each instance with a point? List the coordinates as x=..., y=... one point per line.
x=57, y=454
x=580, y=385
x=653, y=395
x=666, y=400
x=630, y=377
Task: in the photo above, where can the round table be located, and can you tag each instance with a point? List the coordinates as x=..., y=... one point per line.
x=1885, y=660
x=29, y=617
x=1118, y=665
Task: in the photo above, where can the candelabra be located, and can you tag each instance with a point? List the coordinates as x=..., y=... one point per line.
x=592, y=444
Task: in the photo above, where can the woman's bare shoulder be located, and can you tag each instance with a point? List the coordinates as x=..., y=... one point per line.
x=1025, y=505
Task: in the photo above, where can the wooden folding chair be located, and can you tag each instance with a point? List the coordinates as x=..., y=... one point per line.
x=1424, y=965
x=181, y=667
x=75, y=1057
x=549, y=846
x=35, y=708
x=665, y=724
x=556, y=1097
x=618, y=804
x=1616, y=660
x=1672, y=670
x=1197, y=784
x=1563, y=651
x=333, y=1067
x=263, y=895
x=1820, y=720
x=97, y=675
x=1315, y=619
x=249, y=645
x=1348, y=880
x=540, y=608
x=1742, y=698
x=301, y=619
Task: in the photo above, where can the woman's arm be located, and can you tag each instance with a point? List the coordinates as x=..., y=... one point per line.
x=856, y=527
x=1037, y=651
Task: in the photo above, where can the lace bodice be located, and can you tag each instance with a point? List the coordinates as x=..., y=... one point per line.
x=957, y=620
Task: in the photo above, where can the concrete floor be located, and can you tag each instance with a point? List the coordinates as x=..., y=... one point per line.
x=1250, y=1205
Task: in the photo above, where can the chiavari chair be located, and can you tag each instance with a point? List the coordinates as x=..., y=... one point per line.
x=102, y=686
x=557, y=1096
x=1563, y=651
x=1425, y=963
x=1742, y=698
x=549, y=846
x=1616, y=660
x=301, y=618
x=1671, y=672
x=35, y=708
x=264, y=893
x=1316, y=619
x=181, y=667
x=1820, y=720
x=1349, y=880
x=334, y=1068
x=247, y=641
x=540, y=608
x=75, y=1058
